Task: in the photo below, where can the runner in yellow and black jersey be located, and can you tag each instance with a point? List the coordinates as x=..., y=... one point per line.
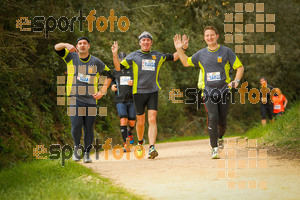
x=146, y=65
x=82, y=84
x=216, y=64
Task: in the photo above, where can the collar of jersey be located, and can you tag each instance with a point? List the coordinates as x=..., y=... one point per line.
x=214, y=50
x=87, y=60
x=145, y=51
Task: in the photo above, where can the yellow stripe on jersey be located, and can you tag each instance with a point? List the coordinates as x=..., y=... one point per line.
x=135, y=70
x=237, y=63
x=106, y=68
x=70, y=71
x=96, y=83
x=162, y=59
x=66, y=54
x=201, y=82
x=227, y=69
x=189, y=61
x=96, y=79
x=125, y=64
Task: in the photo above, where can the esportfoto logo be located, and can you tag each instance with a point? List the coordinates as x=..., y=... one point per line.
x=193, y=95
x=49, y=24
x=56, y=151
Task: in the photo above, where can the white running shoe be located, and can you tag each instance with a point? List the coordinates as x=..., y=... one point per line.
x=87, y=158
x=215, y=154
x=79, y=152
x=75, y=158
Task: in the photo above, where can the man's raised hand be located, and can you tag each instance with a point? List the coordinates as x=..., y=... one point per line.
x=177, y=42
x=71, y=48
x=185, y=41
x=115, y=47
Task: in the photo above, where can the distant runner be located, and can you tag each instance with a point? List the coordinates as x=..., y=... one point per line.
x=216, y=63
x=146, y=66
x=83, y=73
x=279, y=102
x=122, y=86
x=266, y=106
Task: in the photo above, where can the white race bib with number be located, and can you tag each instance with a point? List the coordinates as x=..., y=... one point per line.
x=84, y=78
x=213, y=76
x=124, y=80
x=148, y=65
x=277, y=107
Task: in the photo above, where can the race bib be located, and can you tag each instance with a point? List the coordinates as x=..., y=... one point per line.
x=84, y=78
x=277, y=107
x=124, y=80
x=148, y=65
x=213, y=76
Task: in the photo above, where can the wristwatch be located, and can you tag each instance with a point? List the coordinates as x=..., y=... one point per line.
x=237, y=80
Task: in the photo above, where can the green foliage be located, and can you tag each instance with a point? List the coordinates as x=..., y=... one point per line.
x=284, y=133
x=47, y=179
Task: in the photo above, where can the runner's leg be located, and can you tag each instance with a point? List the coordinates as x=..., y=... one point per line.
x=139, y=104
x=140, y=126
x=263, y=112
x=76, y=124
x=152, y=131
x=76, y=128
x=152, y=113
x=88, y=127
x=213, y=118
x=270, y=111
x=122, y=111
x=88, y=132
x=123, y=128
x=223, y=110
x=131, y=117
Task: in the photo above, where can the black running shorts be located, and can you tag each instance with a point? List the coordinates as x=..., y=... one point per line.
x=142, y=100
x=266, y=110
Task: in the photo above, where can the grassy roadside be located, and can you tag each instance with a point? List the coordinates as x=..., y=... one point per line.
x=47, y=179
x=283, y=135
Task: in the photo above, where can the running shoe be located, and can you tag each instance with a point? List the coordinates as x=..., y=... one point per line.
x=126, y=148
x=215, y=154
x=76, y=158
x=87, y=158
x=221, y=144
x=140, y=148
x=152, y=153
x=131, y=139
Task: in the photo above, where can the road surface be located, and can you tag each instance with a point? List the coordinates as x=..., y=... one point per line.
x=184, y=170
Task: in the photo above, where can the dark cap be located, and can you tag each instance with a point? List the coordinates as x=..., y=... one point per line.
x=82, y=38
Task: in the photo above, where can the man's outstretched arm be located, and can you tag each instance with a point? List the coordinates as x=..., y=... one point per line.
x=61, y=46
